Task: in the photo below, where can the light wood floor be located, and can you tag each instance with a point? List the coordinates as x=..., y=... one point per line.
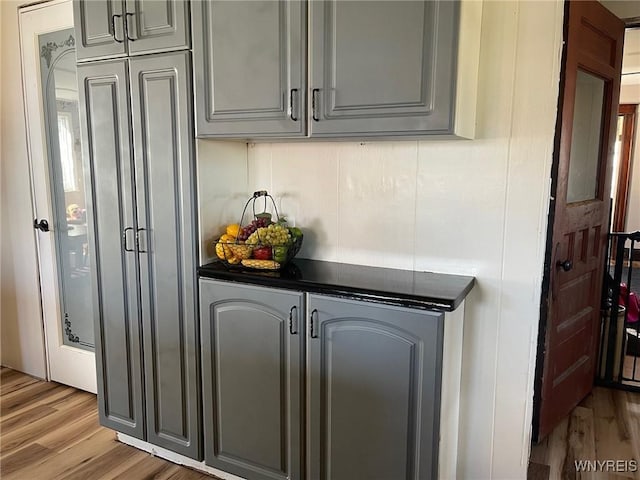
x=605, y=426
x=49, y=431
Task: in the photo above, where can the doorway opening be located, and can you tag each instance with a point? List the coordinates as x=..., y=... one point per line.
x=619, y=364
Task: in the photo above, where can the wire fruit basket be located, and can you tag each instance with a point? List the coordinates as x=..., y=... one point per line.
x=261, y=244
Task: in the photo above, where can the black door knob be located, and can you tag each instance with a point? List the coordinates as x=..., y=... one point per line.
x=42, y=225
x=566, y=265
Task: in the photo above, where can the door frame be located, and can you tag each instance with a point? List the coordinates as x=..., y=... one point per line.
x=628, y=111
x=546, y=274
x=76, y=371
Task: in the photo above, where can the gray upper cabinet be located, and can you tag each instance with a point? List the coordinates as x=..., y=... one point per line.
x=374, y=377
x=376, y=68
x=252, y=346
x=100, y=29
x=250, y=68
x=137, y=138
x=106, y=151
x=114, y=28
x=383, y=67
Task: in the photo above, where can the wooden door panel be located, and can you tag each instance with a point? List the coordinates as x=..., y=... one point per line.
x=579, y=231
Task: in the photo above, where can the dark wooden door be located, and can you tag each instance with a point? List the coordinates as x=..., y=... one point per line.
x=589, y=106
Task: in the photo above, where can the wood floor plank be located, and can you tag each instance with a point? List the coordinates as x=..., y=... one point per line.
x=135, y=459
x=52, y=432
x=55, y=466
x=101, y=465
x=26, y=417
x=605, y=426
x=628, y=410
x=51, y=400
x=182, y=473
x=22, y=458
x=62, y=439
x=17, y=383
x=582, y=442
x=7, y=373
x=147, y=467
x=29, y=433
x=27, y=396
x=28, y=392
x=614, y=439
x=557, y=449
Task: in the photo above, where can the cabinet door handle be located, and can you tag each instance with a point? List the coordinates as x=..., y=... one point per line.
x=124, y=239
x=314, y=104
x=42, y=225
x=113, y=27
x=293, y=109
x=314, y=314
x=138, y=240
x=126, y=26
x=291, y=331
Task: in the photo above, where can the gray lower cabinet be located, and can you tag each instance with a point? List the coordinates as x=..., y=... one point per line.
x=116, y=28
x=250, y=68
x=252, y=346
x=374, y=377
x=137, y=141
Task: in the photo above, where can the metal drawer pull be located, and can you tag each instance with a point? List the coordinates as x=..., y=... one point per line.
x=314, y=334
x=124, y=239
x=126, y=26
x=314, y=104
x=138, y=240
x=113, y=27
x=294, y=308
x=291, y=106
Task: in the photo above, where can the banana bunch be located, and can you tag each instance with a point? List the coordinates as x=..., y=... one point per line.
x=228, y=248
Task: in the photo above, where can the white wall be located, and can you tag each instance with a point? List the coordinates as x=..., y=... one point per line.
x=474, y=207
x=20, y=319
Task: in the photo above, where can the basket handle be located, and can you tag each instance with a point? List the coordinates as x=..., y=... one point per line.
x=257, y=194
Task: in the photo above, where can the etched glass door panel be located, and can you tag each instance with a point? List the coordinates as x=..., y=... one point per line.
x=67, y=189
x=584, y=163
x=60, y=191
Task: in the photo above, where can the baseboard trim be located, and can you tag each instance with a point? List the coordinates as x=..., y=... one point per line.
x=174, y=457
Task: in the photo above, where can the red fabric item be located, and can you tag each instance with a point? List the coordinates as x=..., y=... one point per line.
x=633, y=307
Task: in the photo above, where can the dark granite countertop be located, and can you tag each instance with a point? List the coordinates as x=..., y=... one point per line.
x=424, y=290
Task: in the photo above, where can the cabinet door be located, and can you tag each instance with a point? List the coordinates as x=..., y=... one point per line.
x=104, y=116
x=374, y=390
x=252, y=341
x=100, y=30
x=163, y=144
x=250, y=68
x=382, y=67
x=154, y=26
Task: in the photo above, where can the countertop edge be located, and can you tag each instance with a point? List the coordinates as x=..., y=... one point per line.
x=431, y=303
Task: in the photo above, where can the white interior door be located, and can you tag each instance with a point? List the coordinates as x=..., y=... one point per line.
x=58, y=181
